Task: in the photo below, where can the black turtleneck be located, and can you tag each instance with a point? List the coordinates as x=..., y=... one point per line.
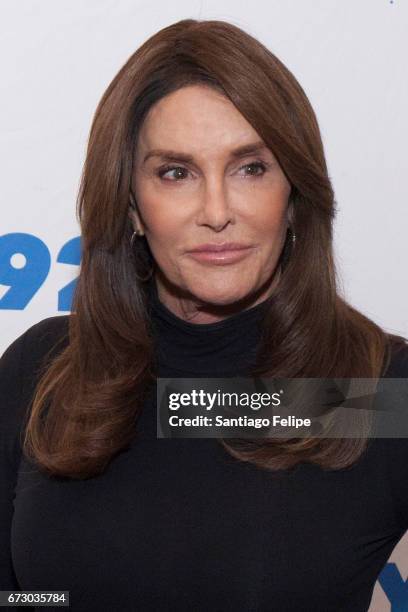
x=181, y=525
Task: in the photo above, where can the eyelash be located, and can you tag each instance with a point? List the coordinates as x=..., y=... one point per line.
x=163, y=170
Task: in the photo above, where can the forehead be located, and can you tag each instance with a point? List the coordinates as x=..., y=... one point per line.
x=195, y=117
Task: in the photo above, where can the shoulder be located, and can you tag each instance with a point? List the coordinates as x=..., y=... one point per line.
x=397, y=366
x=36, y=342
x=48, y=330
x=22, y=362
x=393, y=452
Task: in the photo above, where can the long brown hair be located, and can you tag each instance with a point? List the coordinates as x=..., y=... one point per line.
x=86, y=403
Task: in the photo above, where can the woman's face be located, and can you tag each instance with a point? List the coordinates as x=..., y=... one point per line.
x=193, y=187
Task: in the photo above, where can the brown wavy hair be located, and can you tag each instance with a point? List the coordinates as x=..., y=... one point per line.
x=87, y=401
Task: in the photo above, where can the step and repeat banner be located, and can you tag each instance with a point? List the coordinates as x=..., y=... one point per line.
x=350, y=58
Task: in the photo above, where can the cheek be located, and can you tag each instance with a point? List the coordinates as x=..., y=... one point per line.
x=271, y=223
x=267, y=207
x=161, y=220
x=158, y=208
x=164, y=231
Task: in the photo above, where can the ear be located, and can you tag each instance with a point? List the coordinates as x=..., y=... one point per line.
x=134, y=216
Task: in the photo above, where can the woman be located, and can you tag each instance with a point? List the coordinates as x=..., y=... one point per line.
x=203, y=139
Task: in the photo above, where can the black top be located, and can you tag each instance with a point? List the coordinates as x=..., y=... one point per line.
x=179, y=524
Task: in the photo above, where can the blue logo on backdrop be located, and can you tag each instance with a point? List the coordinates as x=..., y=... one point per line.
x=395, y=588
x=25, y=262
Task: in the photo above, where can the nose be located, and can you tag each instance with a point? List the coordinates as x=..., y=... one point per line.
x=215, y=210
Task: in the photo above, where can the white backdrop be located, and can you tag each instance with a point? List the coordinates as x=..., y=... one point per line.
x=59, y=57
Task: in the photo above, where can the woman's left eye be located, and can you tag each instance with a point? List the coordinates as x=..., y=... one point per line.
x=258, y=166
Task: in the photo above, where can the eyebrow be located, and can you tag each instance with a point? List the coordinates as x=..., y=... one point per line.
x=175, y=156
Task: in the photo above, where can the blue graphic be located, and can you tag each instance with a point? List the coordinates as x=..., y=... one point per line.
x=25, y=281
x=69, y=254
x=395, y=588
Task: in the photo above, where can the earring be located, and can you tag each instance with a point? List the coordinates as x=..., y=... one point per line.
x=146, y=277
x=135, y=233
x=287, y=248
x=293, y=235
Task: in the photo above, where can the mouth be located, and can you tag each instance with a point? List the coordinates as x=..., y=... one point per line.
x=221, y=254
x=219, y=246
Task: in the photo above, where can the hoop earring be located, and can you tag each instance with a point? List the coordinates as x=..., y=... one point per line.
x=145, y=278
x=287, y=248
x=132, y=239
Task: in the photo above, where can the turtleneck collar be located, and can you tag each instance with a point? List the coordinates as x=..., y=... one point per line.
x=223, y=348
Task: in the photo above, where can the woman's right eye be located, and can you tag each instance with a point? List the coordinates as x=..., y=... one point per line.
x=162, y=171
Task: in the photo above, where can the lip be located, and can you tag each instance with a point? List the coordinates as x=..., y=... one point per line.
x=216, y=254
x=217, y=247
